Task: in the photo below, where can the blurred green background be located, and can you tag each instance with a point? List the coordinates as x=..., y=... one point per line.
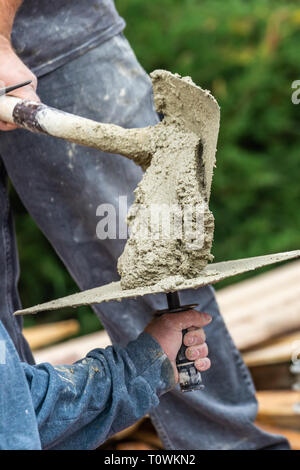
x=247, y=54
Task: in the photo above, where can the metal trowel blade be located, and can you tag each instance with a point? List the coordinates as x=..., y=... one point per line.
x=211, y=274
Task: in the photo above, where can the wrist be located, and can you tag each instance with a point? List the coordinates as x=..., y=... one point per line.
x=152, y=363
x=5, y=42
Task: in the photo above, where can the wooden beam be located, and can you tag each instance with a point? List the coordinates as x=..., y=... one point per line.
x=43, y=335
x=276, y=351
x=262, y=308
x=73, y=350
x=277, y=408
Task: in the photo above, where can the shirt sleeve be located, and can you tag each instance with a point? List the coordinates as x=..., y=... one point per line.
x=81, y=405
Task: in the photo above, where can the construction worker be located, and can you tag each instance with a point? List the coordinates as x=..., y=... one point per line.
x=85, y=66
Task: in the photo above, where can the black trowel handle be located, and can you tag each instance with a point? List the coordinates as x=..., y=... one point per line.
x=189, y=377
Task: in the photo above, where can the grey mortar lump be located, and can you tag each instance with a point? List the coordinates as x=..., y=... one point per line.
x=177, y=175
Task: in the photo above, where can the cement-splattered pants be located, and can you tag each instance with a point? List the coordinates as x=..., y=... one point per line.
x=62, y=185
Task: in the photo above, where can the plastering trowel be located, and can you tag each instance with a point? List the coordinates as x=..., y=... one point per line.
x=178, y=156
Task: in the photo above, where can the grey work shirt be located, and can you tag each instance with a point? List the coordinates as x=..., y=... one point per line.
x=49, y=33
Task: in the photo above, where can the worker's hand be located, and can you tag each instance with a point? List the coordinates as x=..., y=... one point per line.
x=167, y=330
x=12, y=72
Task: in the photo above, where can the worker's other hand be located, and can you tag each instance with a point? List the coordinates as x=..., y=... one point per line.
x=12, y=72
x=167, y=330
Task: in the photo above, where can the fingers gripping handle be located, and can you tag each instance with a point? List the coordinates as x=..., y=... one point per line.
x=189, y=377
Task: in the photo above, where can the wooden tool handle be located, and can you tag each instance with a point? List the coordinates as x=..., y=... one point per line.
x=37, y=117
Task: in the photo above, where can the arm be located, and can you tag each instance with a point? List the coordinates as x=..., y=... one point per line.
x=12, y=69
x=80, y=406
x=8, y=10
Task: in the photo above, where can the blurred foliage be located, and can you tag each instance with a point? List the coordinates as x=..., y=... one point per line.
x=247, y=54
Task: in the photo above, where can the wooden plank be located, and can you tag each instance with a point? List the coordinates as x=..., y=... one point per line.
x=274, y=352
x=233, y=296
x=264, y=307
x=73, y=350
x=134, y=445
x=278, y=408
x=272, y=377
x=43, y=335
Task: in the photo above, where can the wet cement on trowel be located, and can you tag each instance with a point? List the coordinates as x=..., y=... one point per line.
x=179, y=175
